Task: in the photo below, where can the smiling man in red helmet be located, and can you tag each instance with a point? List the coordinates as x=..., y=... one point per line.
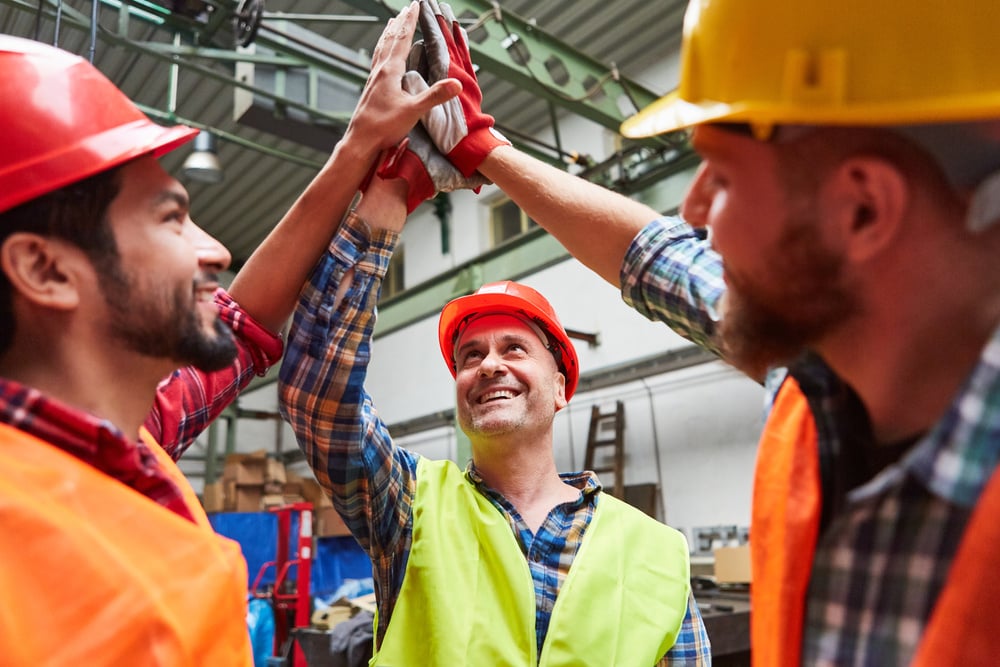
x=508, y=562
x=106, y=286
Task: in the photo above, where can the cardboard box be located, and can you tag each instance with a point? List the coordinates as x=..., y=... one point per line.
x=245, y=469
x=327, y=523
x=213, y=497
x=248, y=498
x=272, y=500
x=732, y=565
x=274, y=471
x=229, y=495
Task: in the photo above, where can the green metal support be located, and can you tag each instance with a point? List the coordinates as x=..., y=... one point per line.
x=211, y=453
x=514, y=49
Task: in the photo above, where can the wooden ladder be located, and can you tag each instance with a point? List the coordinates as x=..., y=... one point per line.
x=607, y=429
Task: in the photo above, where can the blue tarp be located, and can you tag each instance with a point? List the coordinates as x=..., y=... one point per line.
x=336, y=558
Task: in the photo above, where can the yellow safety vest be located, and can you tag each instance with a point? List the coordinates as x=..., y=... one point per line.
x=95, y=574
x=468, y=598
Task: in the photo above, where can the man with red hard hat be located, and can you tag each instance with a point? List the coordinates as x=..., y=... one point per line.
x=106, y=287
x=508, y=562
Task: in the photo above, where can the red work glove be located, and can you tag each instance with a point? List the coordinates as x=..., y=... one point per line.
x=424, y=169
x=458, y=127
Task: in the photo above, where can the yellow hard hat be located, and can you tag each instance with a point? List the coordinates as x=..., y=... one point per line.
x=851, y=62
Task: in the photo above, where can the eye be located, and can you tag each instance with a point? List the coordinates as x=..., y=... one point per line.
x=175, y=216
x=516, y=350
x=469, y=358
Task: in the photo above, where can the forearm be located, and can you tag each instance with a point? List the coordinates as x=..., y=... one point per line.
x=671, y=274
x=595, y=224
x=322, y=391
x=268, y=284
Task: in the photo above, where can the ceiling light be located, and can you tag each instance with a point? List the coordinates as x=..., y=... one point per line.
x=202, y=165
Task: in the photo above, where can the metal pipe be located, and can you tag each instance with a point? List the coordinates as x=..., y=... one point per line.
x=95, y=9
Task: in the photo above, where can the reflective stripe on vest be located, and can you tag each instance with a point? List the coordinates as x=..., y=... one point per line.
x=96, y=574
x=468, y=598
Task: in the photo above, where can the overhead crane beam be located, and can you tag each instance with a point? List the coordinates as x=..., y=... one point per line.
x=522, y=53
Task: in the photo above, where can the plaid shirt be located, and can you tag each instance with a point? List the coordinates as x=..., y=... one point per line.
x=371, y=481
x=886, y=542
x=102, y=445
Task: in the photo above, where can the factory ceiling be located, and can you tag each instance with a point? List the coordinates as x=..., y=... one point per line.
x=276, y=83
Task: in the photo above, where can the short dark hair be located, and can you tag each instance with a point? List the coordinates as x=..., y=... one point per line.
x=77, y=213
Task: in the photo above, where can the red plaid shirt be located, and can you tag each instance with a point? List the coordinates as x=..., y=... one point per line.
x=186, y=403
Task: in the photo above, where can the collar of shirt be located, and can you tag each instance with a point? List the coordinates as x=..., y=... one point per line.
x=585, y=481
x=96, y=442
x=955, y=458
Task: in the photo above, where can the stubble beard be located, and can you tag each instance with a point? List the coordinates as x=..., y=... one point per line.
x=765, y=325
x=490, y=424
x=164, y=325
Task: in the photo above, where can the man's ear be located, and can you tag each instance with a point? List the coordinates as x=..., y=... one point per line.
x=561, y=401
x=41, y=269
x=873, y=196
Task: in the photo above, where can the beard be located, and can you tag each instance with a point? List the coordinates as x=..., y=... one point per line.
x=162, y=323
x=491, y=425
x=768, y=324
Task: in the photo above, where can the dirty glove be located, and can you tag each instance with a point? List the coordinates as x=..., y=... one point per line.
x=458, y=127
x=424, y=169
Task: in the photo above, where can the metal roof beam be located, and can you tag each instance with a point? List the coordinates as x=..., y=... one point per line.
x=522, y=53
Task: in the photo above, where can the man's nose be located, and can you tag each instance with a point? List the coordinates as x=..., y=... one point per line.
x=211, y=253
x=492, y=364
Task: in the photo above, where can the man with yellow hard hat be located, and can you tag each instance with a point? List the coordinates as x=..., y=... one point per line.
x=850, y=185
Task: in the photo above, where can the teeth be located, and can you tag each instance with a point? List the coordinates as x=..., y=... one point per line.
x=500, y=393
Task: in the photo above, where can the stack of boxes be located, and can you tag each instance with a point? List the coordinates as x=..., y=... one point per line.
x=255, y=482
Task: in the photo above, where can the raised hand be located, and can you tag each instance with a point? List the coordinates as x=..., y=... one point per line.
x=386, y=112
x=459, y=127
x=425, y=170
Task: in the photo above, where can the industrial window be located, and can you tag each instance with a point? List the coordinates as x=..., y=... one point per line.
x=393, y=283
x=507, y=221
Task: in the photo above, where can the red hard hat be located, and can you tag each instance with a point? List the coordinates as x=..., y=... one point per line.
x=511, y=298
x=62, y=121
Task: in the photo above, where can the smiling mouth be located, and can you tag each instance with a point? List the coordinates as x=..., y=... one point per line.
x=496, y=395
x=204, y=289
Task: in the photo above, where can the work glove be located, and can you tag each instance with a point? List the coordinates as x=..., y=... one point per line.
x=458, y=127
x=425, y=170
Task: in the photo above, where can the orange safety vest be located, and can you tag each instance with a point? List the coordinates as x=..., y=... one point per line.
x=94, y=573
x=784, y=529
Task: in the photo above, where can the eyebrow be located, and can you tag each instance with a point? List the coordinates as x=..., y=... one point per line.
x=172, y=196
x=478, y=340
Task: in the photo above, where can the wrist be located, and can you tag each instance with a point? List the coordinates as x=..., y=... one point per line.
x=383, y=205
x=356, y=149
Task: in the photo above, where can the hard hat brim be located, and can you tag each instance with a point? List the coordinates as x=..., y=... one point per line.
x=671, y=113
x=98, y=153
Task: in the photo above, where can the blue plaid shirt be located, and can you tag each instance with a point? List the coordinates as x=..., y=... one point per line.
x=371, y=481
x=888, y=534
